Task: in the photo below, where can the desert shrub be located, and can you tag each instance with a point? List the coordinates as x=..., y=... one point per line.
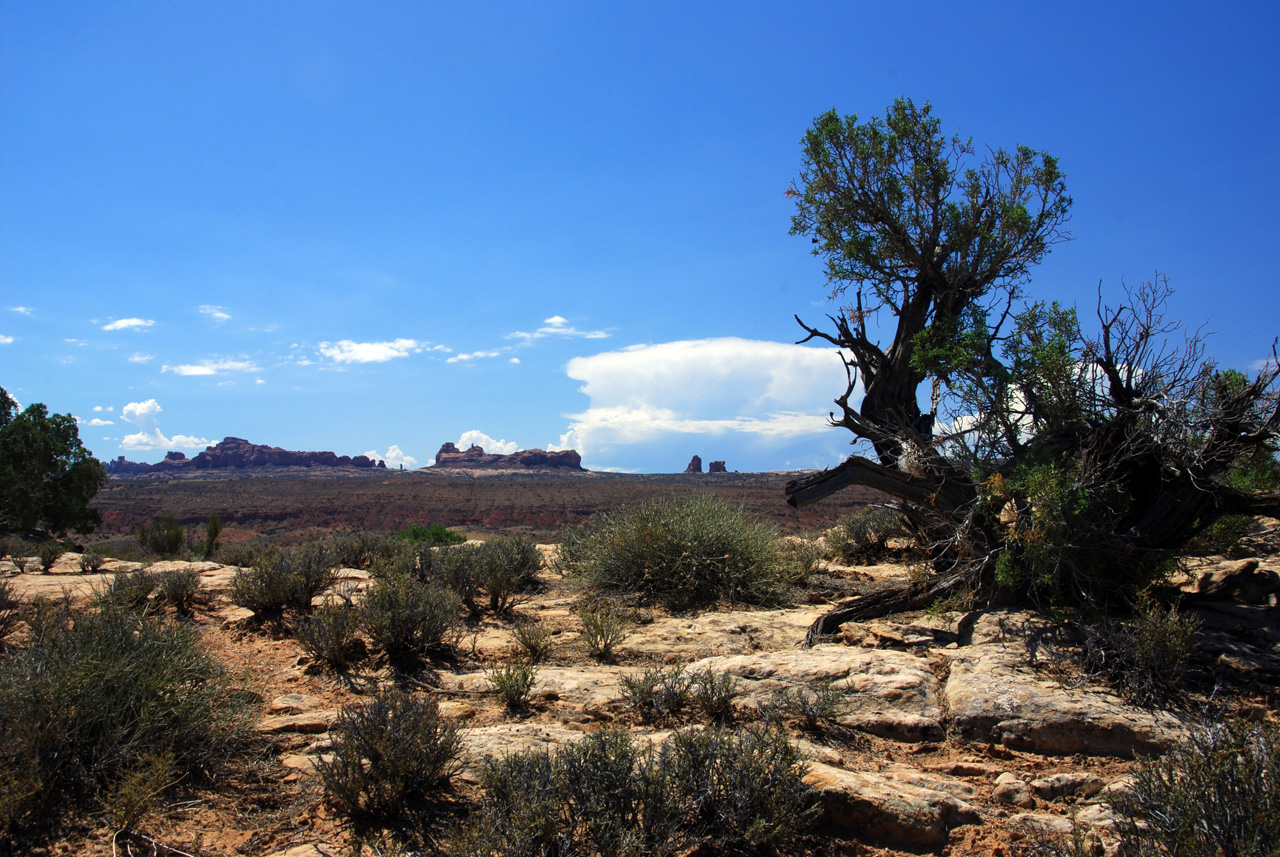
x=90, y=561
x=513, y=682
x=361, y=550
x=863, y=537
x=130, y=589
x=432, y=535
x=312, y=568
x=10, y=610
x=604, y=795
x=817, y=706
x=1143, y=656
x=281, y=579
x=240, y=554
x=1218, y=793
x=212, y=529
x=1041, y=842
x=535, y=640
x=406, y=617
x=682, y=553
x=387, y=752
x=163, y=537
x=49, y=553
x=329, y=633
x=402, y=563
x=604, y=627
x=658, y=693
x=83, y=706
x=131, y=795
x=508, y=564
x=713, y=695
x=46, y=619
x=178, y=589
x=460, y=569
x=798, y=558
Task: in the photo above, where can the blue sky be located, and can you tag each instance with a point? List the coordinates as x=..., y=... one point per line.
x=377, y=227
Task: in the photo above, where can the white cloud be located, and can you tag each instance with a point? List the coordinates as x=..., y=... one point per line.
x=488, y=444
x=6, y=340
x=770, y=390
x=216, y=313
x=475, y=355
x=143, y=415
x=139, y=357
x=557, y=326
x=348, y=351
x=514, y=360
x=394, y=457
x=97, y=422
x=127, y=323
x=25, y=310
x=211, y=367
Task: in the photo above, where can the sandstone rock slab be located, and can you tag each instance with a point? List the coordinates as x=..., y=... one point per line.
x=880, y=807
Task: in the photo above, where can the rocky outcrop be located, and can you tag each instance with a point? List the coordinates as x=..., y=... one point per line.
x=475, y=458
x=237, y=453
x=695, y=465
x=716, y=467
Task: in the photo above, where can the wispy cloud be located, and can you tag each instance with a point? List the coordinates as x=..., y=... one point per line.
x=139, y=357
x=128, y=323
x=211, y=367
x=474, y=355
x=143, y=415
x=25, y=310
x=557, y=326
x=349, y=351
x=6, y=340
x=216, y=313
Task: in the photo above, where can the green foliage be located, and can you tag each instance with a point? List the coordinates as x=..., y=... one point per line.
x=130, y=589
x=47, y=477
x=434, y=535
x=10, y=610
x=513, y=682
x=329, y=634
x=407, y=618
x=1143, y=656
x=607, y=796
x=87, y=703
x=362, y=550
x=817, y=706
x=91, y=561
x=212, y=529
x=281, y=579
x=49, y=553
x=1218, y=793
x=658, y=694
x=535, y=640
x=509, y=565
x=460, y=568
x=386, y=753
x=713, y=695
x=178, y=589
x=862, y=537
x=163, y=537
x=682, y=552
x=604, y=627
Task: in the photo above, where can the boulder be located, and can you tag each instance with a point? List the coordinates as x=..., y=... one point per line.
x=878, y=806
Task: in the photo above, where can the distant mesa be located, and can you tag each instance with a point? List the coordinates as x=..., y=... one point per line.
x=235, y=453
x=695, y=466
x=475, y=458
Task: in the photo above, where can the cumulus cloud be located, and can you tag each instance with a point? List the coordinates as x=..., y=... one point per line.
x=99, y=422
x=557, y=326
x=394, y=457
x=216, y=313
x=143, y=415
x=349, y=351
x=488, y=444
x=211, y=367
x=128, y=323
x=770, y=390
x=474, y=355
x=6, y=340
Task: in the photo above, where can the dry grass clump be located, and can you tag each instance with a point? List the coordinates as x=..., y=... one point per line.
x=862, y=538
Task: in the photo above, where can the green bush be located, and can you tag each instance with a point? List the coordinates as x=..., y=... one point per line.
x=10, y=610
x=713, y=695
x=48, y=554
x=681, y=552
x=604, y=627
x=433, y=535
x=163, y=537
x=91, y=561
x=535, y=640
x=85, y=704
x=606, y=796
x=407, y=618
x=386, y=753
x=508, y=565
x=178, y=589
x=47, y=619
x=817, y=706
x=361, y=550
x=1218, y=793
x=329, y=633
x=1143, y=656
x=862, y=538
x=460, y=569
x=240, y=554
x=658, y=694
x=513, y=682
x=130, y=589
x=281, y=579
